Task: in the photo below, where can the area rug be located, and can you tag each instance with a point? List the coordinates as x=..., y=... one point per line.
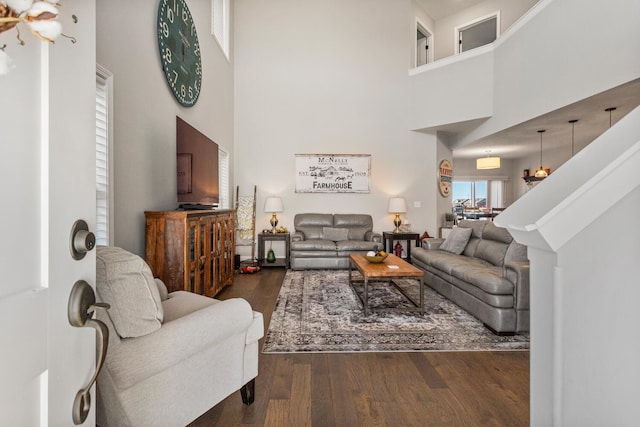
x=317, y=311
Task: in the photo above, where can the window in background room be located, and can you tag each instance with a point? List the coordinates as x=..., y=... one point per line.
x=104, y=150
x=220, y=24
x=478, y=33
x=223, y=179
x=469, y=194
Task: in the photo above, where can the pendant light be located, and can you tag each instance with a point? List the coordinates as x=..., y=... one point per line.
x=573, y=133
x=541, y=173
x=488, y=162
x=609, y=110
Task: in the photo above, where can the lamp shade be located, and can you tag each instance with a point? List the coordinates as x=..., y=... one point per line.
x=397, y=205
x=273, y=204
x=488, y=163
x=541, y=173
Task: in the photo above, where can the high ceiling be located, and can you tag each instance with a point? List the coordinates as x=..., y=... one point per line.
x=523, y=140
x=440, y=8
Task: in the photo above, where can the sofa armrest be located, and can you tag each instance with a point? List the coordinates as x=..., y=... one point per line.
x=518, y=273
x=135, y=359
x=297, y=236
x=371, y=236
x=432, y=243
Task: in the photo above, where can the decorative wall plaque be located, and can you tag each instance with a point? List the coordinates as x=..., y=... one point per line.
x=333, y=173
x=445, y=175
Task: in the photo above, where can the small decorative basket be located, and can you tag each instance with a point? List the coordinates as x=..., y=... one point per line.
x=376, y=259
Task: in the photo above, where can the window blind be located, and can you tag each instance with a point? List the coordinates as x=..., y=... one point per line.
x=102, y=160
x=220, y=24
x=223, y=179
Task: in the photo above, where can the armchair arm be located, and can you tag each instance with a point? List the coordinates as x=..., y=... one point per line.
x=297, y=236
x=136, y=359
x=432, y=243
x=518, y=273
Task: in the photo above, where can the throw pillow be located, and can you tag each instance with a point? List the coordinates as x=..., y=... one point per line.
x=357, y=233
x=457, y=240
x=335, y=234
x=125, y=281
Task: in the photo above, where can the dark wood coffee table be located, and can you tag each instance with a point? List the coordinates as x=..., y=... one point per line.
x=392, y=268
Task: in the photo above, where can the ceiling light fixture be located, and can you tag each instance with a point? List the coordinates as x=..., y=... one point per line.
x=573, y=130
x=541, y=173
x=488, y=162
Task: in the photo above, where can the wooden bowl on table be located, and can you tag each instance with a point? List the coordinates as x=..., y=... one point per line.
x=376, y=259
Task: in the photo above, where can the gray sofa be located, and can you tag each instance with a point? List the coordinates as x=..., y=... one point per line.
x=489, y=278
x=326, y=240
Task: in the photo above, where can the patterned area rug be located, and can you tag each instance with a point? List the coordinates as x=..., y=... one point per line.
x=317, y=311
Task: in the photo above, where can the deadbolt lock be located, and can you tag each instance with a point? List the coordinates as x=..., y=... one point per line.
x=82, y=240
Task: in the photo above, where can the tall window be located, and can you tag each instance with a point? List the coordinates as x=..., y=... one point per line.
x=223, y=179
x=104, y=229
x=220, y=19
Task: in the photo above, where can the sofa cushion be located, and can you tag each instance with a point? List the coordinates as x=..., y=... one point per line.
x=162, y=289
x=488, y=278
x=311, y=224
x=353, y=220
x=181, y=303
x=313, y=245
x=358, y=233
x=456, y=241
x=477, y=228
x=492, y=251
x=357, y=245
x=124, y=281
x=335, y=234
x=499, y=234
x=445, y=261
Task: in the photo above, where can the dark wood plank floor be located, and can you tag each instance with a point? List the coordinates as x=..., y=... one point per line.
x=373, y=389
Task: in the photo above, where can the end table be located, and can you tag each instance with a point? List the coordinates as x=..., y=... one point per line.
x=270, y=237
x=389, y=236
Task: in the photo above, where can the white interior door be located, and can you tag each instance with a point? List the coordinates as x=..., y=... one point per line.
x=423, y=45
x=47, y=167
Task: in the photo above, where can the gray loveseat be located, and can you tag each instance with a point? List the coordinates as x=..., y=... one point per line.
x=326, y=240
x=489, y=278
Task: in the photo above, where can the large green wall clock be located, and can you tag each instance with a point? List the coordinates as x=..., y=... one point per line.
x=179, y=51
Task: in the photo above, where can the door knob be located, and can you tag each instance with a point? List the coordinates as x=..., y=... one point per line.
x=82, y=240
x=82, y=304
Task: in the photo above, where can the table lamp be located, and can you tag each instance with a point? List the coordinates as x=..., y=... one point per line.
x=397, y=205
x=273, y=205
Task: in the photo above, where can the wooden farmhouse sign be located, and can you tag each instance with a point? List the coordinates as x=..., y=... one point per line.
x=333, y=173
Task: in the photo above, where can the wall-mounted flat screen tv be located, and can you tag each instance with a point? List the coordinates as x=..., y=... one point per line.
x=197, y=167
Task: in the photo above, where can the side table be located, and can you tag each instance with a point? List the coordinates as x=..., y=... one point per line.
x=388, y=238
x=262, y=253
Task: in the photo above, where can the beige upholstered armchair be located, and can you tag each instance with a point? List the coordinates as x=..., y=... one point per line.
x=171, y=357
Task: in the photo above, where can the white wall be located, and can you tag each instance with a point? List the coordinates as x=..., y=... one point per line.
x=453, y=90
x=329, y=77
x=145, y=110
x=556, y=58
x=599, y=299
